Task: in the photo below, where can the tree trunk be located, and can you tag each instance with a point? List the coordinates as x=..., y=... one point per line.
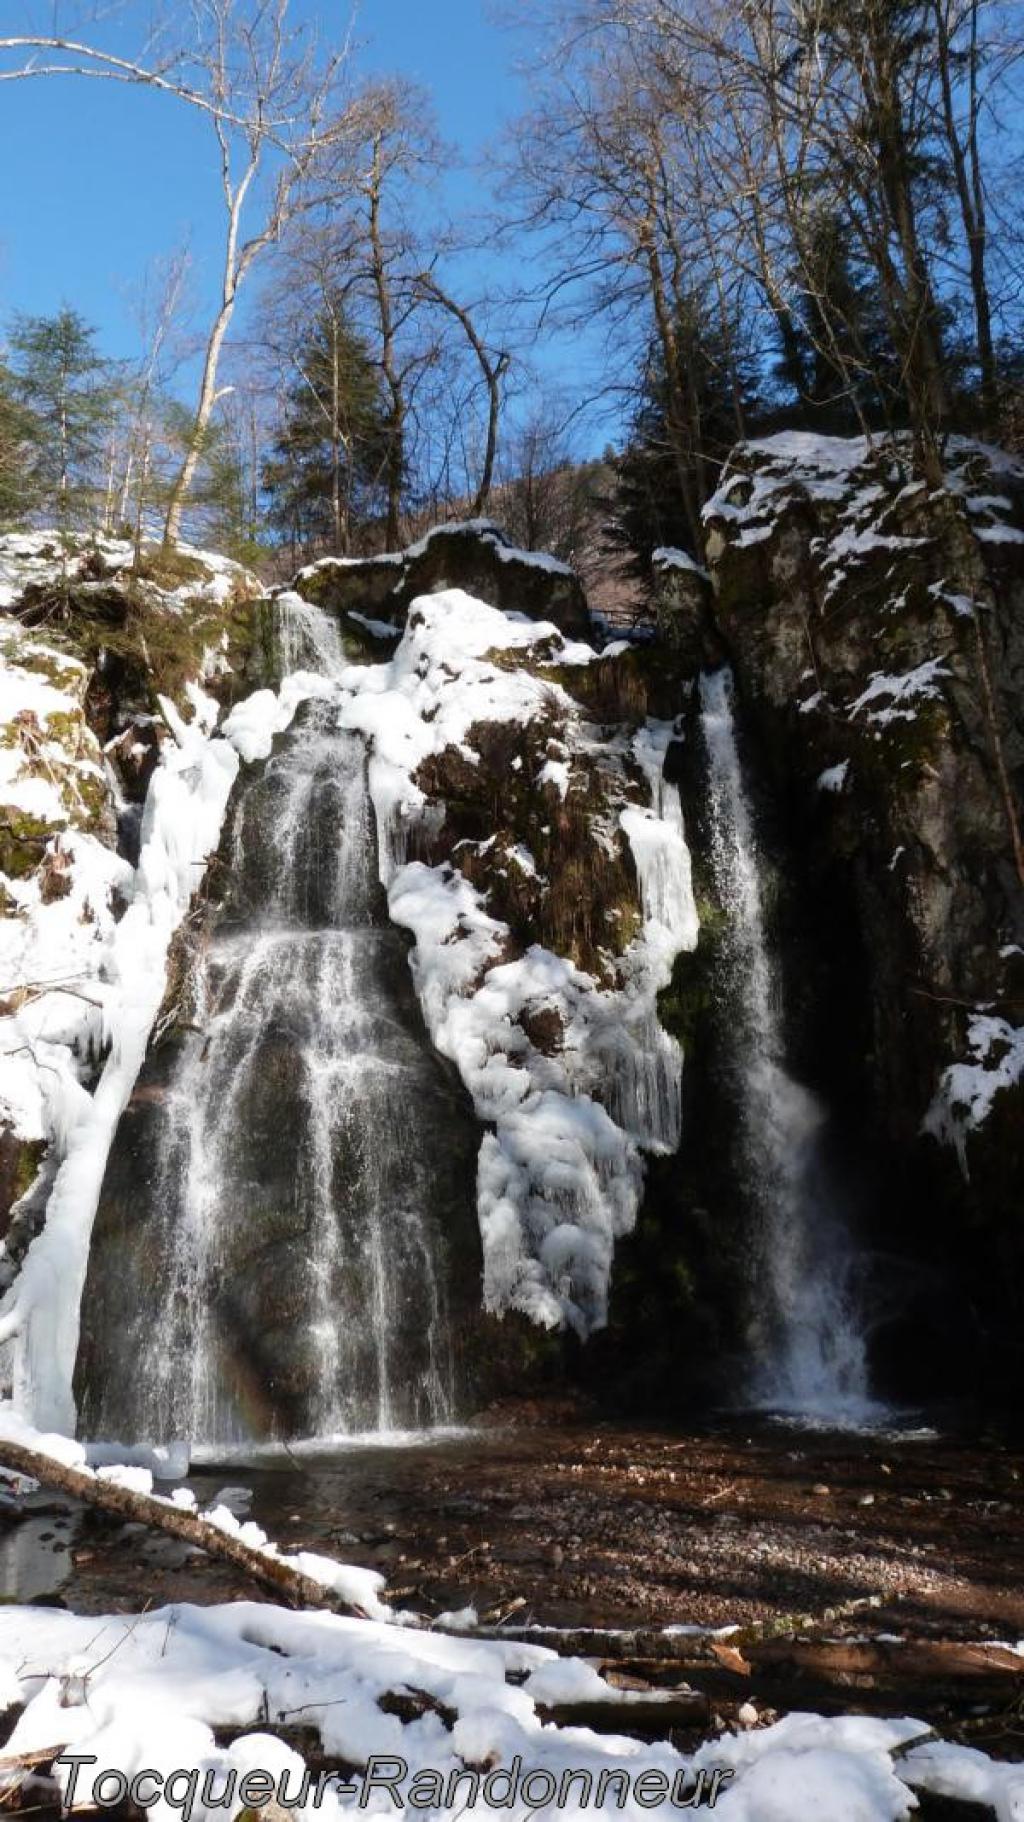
x=971, y=197
x=273, y=1573
x=207, y=400
x=339, y=541
x=395, y=465
x=493, y=372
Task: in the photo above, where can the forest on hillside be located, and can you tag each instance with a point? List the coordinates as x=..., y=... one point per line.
x=802, y=215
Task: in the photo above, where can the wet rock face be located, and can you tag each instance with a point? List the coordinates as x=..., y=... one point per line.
x=475, y=557
x=877, y=632
x=286, y=1240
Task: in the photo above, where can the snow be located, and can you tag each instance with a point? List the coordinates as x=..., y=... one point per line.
x=41, y=773
x=133, y=1480
x=436, y=686
x=967, y=1090
x=963, y=606
x=37, y=557
x=558, y=1180
x=147, y=1691
x=555, y=772
x=667, y=557
x=486, y=529
x=834, y=778
x=899, y=696
x=255, y=722
x=962, y=1773
x=560, y=1174
x=814, y=455
x=380, y=629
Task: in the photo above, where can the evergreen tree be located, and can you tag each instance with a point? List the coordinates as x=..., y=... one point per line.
x=228, y=491
x=648, y=508
x=326, y=468
x=19, y=454
x=65, y=384
x=838, y=366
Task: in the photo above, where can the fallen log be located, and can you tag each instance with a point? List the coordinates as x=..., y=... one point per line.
x=665, y=1644
x=884, y=1663
x=667, y=1648
x=926, y=1677
x=274, y=1573
x=642, y=1720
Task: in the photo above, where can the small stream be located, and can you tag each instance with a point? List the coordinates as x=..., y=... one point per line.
x=588, y=1523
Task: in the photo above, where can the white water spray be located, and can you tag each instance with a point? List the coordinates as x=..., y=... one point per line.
x=806, y=1336
x=290, y=1132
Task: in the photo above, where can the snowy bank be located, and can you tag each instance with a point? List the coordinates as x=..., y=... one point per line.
x=148, y=1692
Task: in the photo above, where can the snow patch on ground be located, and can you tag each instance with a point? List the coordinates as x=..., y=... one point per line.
x=147, y=1691
x=38, y=558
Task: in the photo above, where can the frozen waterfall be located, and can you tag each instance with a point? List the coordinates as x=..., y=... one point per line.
x=292, y=1262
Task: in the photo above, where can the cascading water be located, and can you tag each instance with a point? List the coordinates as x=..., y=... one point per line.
x=807, y=1338
x=290, y=1202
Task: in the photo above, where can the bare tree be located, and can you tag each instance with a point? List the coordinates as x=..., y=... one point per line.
x=280, y=114
x=493, y=368
x=159, y=314
x=696, y=137
x=277, y=111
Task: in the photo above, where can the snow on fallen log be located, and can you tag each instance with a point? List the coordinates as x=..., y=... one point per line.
x=300, y=1580
x=223, y=1691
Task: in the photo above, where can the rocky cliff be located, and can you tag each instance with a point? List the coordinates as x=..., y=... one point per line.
x=876, y=630
x=552, y=941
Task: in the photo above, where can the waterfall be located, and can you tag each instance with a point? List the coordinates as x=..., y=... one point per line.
x=807, y=1339
x=307, y=638
x=291, y=1256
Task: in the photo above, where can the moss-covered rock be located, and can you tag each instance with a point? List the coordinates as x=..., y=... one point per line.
x=20, y=1160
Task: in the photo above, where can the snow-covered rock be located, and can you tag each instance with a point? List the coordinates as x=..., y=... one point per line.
x=473, y=555
x=877, y=630
x=92, y=884
x=548, y=897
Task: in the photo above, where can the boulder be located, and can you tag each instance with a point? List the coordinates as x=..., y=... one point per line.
x=683, y=602
x=473, y=555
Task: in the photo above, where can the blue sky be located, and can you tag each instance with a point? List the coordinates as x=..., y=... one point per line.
x=103, y=178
